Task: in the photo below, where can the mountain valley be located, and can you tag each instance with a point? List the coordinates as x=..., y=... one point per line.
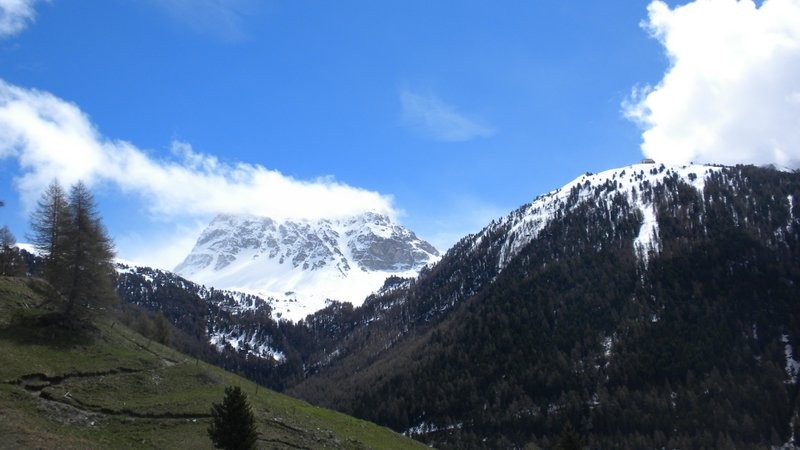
x=640, y=307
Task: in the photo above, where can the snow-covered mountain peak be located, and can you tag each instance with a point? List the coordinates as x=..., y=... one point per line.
x=305, y=262
x=633, y=182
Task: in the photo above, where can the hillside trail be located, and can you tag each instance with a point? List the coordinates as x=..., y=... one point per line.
x=69, y=410
x=38, y=383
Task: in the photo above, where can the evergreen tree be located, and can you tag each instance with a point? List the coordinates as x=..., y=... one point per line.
x=11, y=262
x=569, y=439
x=7, y=239
x=77, y=252
x=89, y=256
x=233, y=425
x=49, y=225
x=163, y=333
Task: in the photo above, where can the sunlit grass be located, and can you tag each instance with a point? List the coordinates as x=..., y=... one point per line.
x=105, y=386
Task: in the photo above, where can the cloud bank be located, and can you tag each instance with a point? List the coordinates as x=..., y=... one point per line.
x=15, y=15
x=431, y=117
x=50, y=138
x=732, y=91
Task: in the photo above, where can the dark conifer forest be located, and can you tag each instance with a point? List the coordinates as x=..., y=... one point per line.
x=685, y=349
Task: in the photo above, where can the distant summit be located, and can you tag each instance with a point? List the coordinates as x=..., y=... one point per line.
x=299, y=264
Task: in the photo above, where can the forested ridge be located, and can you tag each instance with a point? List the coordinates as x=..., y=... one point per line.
x=684, y=349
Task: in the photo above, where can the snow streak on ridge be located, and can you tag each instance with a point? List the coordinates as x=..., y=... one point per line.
x=525, y=224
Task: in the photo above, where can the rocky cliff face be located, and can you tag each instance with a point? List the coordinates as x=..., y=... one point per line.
x=377, y=244
x=300, y=264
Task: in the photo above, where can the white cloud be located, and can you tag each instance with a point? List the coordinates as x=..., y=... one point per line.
x=431, y=117
x=160, y=246
x=731, y=92
x=51, y=138
x=15, y=16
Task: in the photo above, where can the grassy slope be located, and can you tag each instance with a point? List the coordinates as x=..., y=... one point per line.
x=111, y=388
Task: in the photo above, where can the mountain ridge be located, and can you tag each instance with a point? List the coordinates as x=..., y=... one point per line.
x=633, y=181
x=630, y=281
x=300, y=265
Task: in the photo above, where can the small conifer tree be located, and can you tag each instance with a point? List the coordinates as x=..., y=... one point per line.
x=11, y=262
x=569, y=439
x=233, y=425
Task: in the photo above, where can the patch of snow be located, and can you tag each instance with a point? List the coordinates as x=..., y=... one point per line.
x=130, y=268
x=237, y=341
x=792, y=365
x=294, y=294
x=124, y=268
x=647, y=240
x=128, y=262
x=427, y=427
x=633, y=181
x=791, y=444
x=608, y=343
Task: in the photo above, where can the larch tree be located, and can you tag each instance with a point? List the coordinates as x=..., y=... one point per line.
x=49, y=224
x=89, y=256
x=76, y=250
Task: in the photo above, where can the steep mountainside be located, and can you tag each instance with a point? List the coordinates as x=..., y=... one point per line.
x=299, y=265
x=230, y=329
x=648, y=306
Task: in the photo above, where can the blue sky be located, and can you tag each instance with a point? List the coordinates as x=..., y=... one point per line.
x=444, y=114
